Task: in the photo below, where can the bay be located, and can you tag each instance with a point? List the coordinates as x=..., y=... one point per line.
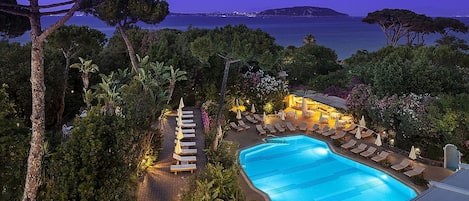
x=345, y=35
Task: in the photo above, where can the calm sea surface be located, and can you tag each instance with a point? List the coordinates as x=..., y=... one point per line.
x=345, y=35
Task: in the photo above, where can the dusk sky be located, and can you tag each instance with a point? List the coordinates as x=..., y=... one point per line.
x=445, y=8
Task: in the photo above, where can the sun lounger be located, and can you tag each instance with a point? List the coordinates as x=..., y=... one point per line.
x=182, y=168
x=260, y=130
x=380, y=157
x=184, y=159
x=323, y=130
x=359, y=149
x=279, y=127
x=188, y=152
x=186, y=144
x=368, y=133
x=370, y=151
x=303, y=126
x=350, y=128
x=338, y=136
x=185, y=131
x=236, y=127
x=270, y=128
x=349, y=144
x=329, y=132
x=186, y=116
x=187, y=121
x=251, y=119
x=257, y=117
x=187, y=112
x=314, y=128
x=414, y=172
x=188, y=125
x=404, y=163
x=290, y=126
x=243, y=125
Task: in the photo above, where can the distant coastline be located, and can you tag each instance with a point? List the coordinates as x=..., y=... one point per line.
x=299, y=11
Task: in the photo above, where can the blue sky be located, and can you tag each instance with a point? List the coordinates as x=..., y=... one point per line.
x=445, y=8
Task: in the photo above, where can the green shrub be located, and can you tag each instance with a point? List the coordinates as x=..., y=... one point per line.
x=419, y=180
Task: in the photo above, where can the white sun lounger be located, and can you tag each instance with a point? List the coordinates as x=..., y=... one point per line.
x=236, y=127
x=303, y=126
x=414, y=172
x=186, y=116
x=338, y=136
x=270, y=128
x=187, y=121
x=188, y=125
x=260, y=130
x=188, y=135
x=190, y=130
x=243, y=125
x=359, y=149
x=184, y=159
x=329, y=132
x=183, y=168
x=290, y=126
x=380, y=157
x=279, y=128
x=323, y=130
x=257, y=117
x=349, y=144
x=251, y=119
x=371, y=150
x=404, y=163
x=314, y=128
x=350, y=128
x=186, y=144
x=368, y=133
x=187, y=111
x=188, y=152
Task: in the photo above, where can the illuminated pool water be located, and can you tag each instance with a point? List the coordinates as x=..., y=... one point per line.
x=303, y=168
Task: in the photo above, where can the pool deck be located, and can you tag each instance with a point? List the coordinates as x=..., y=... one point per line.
x=250, y=137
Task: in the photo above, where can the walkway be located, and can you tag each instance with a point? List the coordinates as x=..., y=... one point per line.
x=161, y=185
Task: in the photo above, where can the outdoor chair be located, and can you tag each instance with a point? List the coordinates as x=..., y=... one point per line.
x=257, y=117
x=188, y=152
x=251, y=119
x=338, y=136
x=329, y=132
x=184, y=159
x=350, y=128
x=182, y=168
x=380, y=157
x=403, y=164
x=314, y=128
x=368, y=133
x=185, y=131
x=236, y=127
x=414, y=172
x=270, y=128
x=370, y=151
x=303, y=126
x=260, y=130
x=279, y=127
x=243, y=125
x=349, y=144
x=323, y=130
x=359, y=149
x=290, y=126
x=186, y=144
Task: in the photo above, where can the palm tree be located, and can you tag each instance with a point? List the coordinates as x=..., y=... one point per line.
x=309, y=40
x=175, y=75
x=86, y=67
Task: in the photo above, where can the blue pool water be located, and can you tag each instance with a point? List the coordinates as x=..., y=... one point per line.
x=303, y=168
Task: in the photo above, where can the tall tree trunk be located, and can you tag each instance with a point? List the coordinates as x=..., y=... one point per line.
x=221, y=102
x=172, y=85
x=58, y=123
x=130, y=48
x=38, y=90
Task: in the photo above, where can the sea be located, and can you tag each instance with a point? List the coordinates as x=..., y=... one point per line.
x=345, y=35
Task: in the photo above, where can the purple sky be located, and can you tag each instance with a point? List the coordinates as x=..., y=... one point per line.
x=352, y=7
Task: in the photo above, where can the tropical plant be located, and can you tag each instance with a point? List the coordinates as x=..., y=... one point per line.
x=175, y=75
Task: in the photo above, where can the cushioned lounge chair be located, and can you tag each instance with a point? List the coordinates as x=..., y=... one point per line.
x=341, y=134
x=403, y=164
x=188, y=152
x=184, y=159
x=236, y=127
x=185, y=131
x=359, y=149
x=380, y=157
x=270, y=128
x=314, y=128
x=414, y=172
x=257, y=117
x=370, y=151
x=323, y=130
x=187, y=135
x=349, y=144
x=186, y=144
x=183, y=168
x=188, y=125
x=243, y=125
x=251, y=119
x=279, y=127
x=329, y=132
x=290, y=126
x=260, y=130
x=186, y=111
x=187, y=121
x=303, y=126
x=187, y=116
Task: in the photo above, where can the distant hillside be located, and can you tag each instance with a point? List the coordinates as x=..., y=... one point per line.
x=305, y=11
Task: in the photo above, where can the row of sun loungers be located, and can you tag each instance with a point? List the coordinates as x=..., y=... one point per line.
x=186, y=156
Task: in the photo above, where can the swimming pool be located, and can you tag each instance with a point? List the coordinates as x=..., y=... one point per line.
x=302, y=168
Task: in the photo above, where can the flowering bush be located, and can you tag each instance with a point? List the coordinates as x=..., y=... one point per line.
x=359, y=99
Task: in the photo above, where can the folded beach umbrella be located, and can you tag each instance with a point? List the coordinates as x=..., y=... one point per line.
x=303, y=105
x=263, y=117
x=412, y=154
x=179, y=121
x=181, y=103
x=296, y=115
x=336, y=123
x=282, y=115
x=362, y=122
x=177, y=148
x=179, y=113
x=253, y=109
x=179, y=136
x=378, y=140
x=358, y=135
x=238, y=114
